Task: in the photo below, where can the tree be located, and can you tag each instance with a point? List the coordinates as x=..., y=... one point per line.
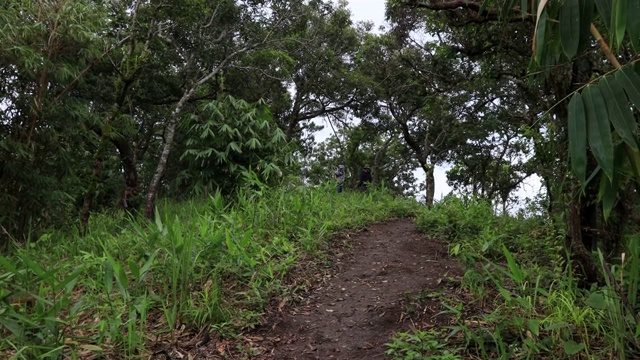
x=410, y=94
x=322, y=44
x=45, y=50
x=112, y=102
x=364, y=144
x=114, y=128
x=562, y=32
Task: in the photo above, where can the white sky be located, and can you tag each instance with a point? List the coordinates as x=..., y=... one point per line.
x=374, y=11
x=368, y=10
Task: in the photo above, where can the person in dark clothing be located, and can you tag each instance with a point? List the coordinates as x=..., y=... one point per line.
x=365, y=178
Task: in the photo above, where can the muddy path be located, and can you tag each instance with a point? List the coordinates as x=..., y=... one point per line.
x=378, y=286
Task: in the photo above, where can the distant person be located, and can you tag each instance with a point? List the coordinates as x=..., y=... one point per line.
x=339, y=177
x=365, y=178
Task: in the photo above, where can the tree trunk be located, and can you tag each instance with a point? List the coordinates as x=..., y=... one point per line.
x=170, y=131
x=375, y=176
x=585, y=267
x=85, y=213
x=430, y=183
x=169, y=135
x=130, y=173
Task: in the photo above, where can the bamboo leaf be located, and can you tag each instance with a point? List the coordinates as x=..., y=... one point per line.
x=586, y=18
x=631, y=83
x=121, y=278
x=515, y=271
x=108, y=275
x=537, y=40
x=599, y=129
x=633, y=23
x=34, y=267
x=539, y=37
x=578, y=137
x=69, y=282
x=595, y=172
x=12, y=325
x=619, y=20
x=619, y=111
x=234, y=146
x=604, y=9
x=135, y=270
x=534, y=326
x=147, y=264
x=608, y=195
x=570, y=27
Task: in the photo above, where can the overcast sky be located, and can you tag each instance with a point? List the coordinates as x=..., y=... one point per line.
x=368, y=10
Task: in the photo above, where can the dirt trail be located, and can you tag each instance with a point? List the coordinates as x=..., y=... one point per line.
x=366, y=299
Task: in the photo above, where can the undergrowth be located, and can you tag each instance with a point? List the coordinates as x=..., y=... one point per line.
x=520, y=300
x=131, y=285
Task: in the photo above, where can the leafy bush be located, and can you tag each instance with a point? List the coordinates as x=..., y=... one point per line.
x=473, y=226
x=455, y=218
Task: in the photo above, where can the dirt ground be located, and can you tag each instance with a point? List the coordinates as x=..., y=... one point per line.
x=370, y=294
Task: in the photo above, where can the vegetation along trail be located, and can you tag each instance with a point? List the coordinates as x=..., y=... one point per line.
x=177, y=179
x=365, y=299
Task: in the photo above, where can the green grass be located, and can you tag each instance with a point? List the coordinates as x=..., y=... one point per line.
x=212, y=264
x=523, y=301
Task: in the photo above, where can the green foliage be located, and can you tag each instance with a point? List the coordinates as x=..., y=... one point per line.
x=32, y=296
x=456, y=219
x=420, y=345
x=44, y=49
x=227, y=138
x=604, y=103
x=213, y=264
x=91, y=90
x=531, y=304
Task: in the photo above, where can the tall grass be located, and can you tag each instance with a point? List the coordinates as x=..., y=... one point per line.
x=210, y=264
x=525, y=302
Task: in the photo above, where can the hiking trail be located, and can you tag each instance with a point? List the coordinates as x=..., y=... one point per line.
x=368, y=295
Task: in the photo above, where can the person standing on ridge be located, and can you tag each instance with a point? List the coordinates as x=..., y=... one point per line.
x=339, y=177
x=365, y=178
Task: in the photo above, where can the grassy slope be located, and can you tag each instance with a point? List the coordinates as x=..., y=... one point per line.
x=216, y=265
x=209, y=263
x=521, y=301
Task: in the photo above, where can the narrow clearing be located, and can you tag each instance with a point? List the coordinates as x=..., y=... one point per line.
x=368, y=296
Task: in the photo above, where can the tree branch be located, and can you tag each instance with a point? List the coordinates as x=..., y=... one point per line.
x=470, y=5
